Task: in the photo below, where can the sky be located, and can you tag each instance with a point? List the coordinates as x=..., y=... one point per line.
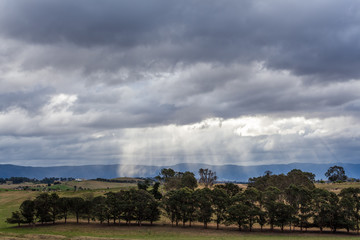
x=161, y=82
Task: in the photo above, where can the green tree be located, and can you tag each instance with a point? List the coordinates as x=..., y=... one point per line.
x=321, y=207
x=114, y=204
x=42, y=208
x=283, y=214
x=336, y=173
x=300, y=198
x=155, y=191
x=238, y=212
x=271, y=197
x=250, y=198
x=203, y=201
x=27, y=210
x=64, y=205
x=349, y=205
x=142, y=201
x=153, y=211
x=188, y=180
x=126, y=205
x=87, y=209
x=100, y=210
x=16, y=218
x=54, y=209
x=77, y=206
x=170, y=205
x=220, y=202
x=230, y=188
x=144, y=185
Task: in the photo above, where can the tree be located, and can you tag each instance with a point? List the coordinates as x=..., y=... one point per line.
x=220, y=201
x=171, y=207
x=203, y=201
x=349, y=205
x=283, y=214
x=176, y=180
x=300, y=198
x=87, y=209
x=64, y=207
x=188, y=180
x=184, y=197
x=207, y=177
x=27, y=210
x=16, y=217
x=115, y=205
x=142, y=201
x=54, y=206
x=250, y=199
x=144, y=185
x=155, y=191
x=77, y=206
x=271, y=198
x=153, y=211
x=100, y=210
x=42, y=208
x=336, y=173
x=230, y=188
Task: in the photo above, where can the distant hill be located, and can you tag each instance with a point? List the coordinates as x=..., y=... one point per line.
x=224, y=172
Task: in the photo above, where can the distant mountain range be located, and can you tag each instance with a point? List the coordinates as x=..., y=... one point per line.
x=224, y=172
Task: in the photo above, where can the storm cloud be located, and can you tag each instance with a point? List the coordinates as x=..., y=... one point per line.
x=85, y=82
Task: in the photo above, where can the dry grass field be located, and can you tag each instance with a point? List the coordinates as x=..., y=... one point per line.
x=336, y=187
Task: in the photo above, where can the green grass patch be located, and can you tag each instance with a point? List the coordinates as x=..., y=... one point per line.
x=160, y=232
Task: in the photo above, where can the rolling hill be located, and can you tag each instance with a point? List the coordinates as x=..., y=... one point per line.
x=224, y=172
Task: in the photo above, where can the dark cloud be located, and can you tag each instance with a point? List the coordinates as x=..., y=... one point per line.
x=317, y=39
x=31, y=101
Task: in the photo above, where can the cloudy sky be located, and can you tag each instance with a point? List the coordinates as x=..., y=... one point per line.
x=161, y=82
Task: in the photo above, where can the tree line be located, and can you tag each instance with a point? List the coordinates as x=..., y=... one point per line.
x=290, y=200
x=17, y=180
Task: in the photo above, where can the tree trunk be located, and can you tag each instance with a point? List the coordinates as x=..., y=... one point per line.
x=217, y=225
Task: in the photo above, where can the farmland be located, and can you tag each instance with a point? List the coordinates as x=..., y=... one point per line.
x=11, y=199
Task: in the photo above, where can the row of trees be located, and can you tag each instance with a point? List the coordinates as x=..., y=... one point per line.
x=17, y=180
x=296, y=206
x=227, y=204
x=130, y=205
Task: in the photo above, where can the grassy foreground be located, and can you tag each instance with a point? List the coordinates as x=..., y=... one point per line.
x=75, y=231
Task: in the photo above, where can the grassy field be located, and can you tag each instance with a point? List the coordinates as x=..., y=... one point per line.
x=91, y=184
x=11, y=199
x=336, y=187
